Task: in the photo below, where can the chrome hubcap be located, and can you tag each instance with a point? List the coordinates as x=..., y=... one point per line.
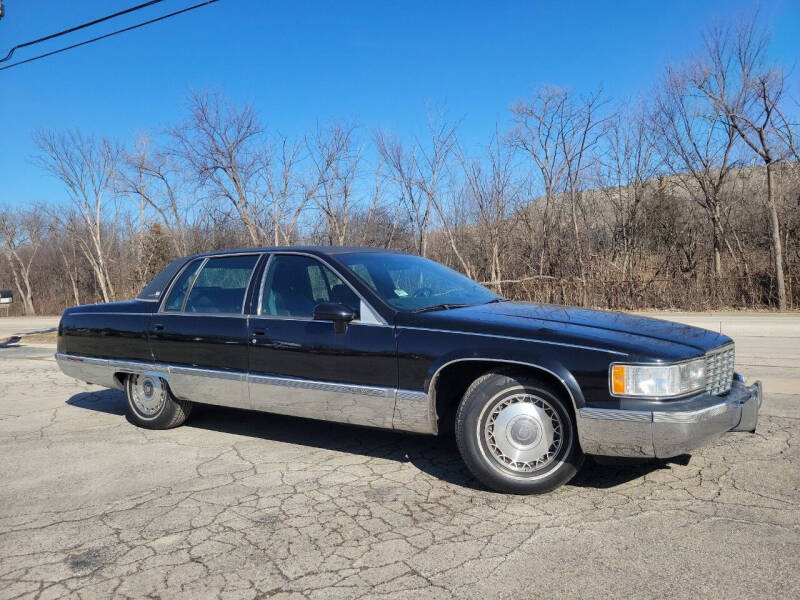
x=524, y=432
x=148, y=394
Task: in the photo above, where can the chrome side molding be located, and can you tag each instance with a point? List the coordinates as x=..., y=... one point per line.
x=414, y=412
x=341, y=403
x=382, y=407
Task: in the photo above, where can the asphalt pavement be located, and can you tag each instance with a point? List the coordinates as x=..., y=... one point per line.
x=244, y=505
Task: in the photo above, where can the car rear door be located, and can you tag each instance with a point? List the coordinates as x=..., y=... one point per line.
x=200, y=332
x=300, y=366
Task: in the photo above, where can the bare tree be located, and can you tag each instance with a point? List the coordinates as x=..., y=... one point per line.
x=735, y=76
x=789, y=130
x=417, y=172
x=258, y=176
x=697, y=142
x=70, y=256
x=155, y=180
x=223, y=146
x=557, y=131
x=536, y=130
x=579, y=131
x=336, y=159
x=626, y=172
x=21, y=235
x=86, y=167
x=494, y=194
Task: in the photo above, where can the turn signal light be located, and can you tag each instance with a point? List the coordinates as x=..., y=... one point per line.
x=618, y=379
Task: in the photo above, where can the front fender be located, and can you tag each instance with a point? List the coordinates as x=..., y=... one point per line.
x=502, y=356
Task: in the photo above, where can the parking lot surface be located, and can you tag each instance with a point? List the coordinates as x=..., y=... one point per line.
x=245, y=505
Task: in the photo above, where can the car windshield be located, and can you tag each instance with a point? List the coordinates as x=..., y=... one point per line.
x=413, y=283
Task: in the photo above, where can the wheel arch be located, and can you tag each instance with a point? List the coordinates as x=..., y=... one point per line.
x=121, y=375
x=458, y=373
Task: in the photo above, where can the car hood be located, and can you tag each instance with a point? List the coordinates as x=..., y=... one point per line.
x=639, y=337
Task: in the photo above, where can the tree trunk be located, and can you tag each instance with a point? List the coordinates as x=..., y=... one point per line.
x=775, y=237
x=717, y=240
x=72, y=277
x=27, y=304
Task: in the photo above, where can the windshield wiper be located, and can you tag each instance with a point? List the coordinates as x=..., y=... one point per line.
x=439, y=307
x=498, y=299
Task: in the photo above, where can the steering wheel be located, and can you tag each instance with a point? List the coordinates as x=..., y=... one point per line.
x=423, y=292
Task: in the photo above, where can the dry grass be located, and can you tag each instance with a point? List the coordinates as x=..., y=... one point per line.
x=47, y=338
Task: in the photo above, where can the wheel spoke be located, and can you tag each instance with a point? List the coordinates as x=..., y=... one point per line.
x=148, y=394
x=524, y=432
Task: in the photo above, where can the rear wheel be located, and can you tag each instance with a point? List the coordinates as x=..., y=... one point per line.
x=517, y=434
x=152, y=405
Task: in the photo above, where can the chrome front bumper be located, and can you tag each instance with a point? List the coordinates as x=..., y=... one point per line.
x=671, y=431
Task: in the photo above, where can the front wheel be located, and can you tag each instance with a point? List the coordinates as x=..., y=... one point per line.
x=517, y=434
x=152, y=405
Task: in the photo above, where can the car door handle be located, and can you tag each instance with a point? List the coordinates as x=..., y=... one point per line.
x=158, y=328
x=259, y=332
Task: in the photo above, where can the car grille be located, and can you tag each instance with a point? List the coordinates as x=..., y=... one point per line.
x=719, y=370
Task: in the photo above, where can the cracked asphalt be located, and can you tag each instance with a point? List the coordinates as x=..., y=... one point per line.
x=247, y=505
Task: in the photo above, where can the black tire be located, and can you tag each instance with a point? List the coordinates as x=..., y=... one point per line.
x=167, y=411
x=486, y=399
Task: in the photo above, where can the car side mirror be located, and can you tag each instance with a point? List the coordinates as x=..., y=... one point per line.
x=333, y=311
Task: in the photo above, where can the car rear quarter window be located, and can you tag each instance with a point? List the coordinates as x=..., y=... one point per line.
x=221, y=285
x=152, y=291
x=179, y=288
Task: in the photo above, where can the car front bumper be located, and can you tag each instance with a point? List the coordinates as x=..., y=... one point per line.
x=672, y=430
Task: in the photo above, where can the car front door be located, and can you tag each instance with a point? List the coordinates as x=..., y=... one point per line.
x=301, y=366
x=200, y=332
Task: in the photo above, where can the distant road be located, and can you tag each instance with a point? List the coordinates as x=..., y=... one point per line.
x=21, y=325
x=767, y=348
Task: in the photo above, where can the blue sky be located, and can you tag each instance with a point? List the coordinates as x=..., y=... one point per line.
x=376, y=64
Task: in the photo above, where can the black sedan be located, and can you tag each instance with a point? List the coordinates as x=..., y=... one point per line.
x=392, y=340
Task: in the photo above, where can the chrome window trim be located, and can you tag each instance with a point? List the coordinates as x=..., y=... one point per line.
x=517, y=339
x=205, y=260
x=380, y=320
x=202, y=314
x=112, y=313
x=263, y=283
x=163, y=299
x=203, y=266
x=191, y=284
x=258, y=256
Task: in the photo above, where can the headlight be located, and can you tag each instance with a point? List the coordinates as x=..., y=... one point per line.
x=658, y=381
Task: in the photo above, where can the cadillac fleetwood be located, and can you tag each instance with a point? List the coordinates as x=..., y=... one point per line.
x=386, y=339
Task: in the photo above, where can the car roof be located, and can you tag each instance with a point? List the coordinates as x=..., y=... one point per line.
x=318, y=250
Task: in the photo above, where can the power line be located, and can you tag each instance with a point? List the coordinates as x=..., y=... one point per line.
x=77, y=27
x=107, y=35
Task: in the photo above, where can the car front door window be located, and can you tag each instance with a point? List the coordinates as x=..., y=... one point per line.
x=296, y=284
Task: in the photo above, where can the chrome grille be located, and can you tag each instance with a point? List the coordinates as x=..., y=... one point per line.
x=719, y=370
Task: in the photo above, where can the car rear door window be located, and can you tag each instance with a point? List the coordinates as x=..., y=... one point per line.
x=295, y=284
x=221, y=285
x=178, y=292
